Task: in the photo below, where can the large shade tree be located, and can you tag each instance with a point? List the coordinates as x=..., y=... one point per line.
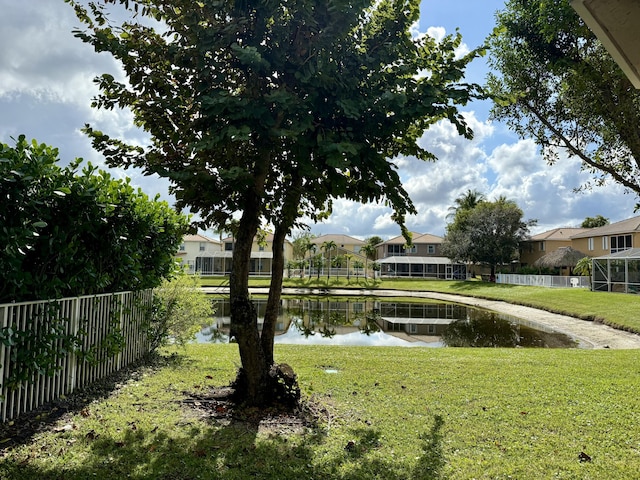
x=269, y=110
x=488, y=233
x=558, y=85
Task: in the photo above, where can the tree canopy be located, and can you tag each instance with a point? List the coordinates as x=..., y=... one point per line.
x=593, y=222
x=76, y=231
x=273, y=109
x=558, y=85
x=487, y=233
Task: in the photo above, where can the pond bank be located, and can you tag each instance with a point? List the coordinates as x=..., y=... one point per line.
x=589, y=334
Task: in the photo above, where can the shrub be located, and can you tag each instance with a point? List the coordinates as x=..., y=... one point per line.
x=71, y=231
x=181, y=309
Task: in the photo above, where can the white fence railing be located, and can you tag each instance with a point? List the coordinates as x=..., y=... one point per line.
x=90, y=337
x=556, y=281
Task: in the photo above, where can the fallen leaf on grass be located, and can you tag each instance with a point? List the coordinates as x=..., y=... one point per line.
x=583, y=457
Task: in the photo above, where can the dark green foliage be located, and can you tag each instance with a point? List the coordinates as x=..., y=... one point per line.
x=486, y=232
x=36, y=350
x=594, y=222
x=67, y=232
x=557, y=84
x=274, y=109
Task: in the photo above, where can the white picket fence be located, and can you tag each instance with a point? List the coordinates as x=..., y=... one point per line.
x=557, y=281
x=97, y=320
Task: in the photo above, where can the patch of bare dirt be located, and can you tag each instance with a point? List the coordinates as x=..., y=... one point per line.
x=218, y=407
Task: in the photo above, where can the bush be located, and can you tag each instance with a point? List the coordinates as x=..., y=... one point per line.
x=68, y=232
x=181, y=309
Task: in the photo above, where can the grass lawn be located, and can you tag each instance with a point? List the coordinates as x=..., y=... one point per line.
x=388, y=413
x=619, y=310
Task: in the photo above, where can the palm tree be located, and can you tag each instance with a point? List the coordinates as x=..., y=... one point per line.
x=348, y=256
x=583, y=267
x=310, y=247
x=369, y=251
x=467, y=201
x=327, y=247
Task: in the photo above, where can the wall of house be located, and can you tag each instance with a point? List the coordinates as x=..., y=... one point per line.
x=532, y=251
x=193, y=249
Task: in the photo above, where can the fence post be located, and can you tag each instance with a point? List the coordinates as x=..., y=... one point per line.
x=123, y=297
x=72, y=365
x=4, y=314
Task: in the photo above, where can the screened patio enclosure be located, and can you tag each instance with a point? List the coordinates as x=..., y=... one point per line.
x=425, y=267
x=618, y=272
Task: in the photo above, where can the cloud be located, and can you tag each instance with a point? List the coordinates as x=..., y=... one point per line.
x=46, y=89
x=548, y=192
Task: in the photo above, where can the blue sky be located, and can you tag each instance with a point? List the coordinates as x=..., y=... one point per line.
x=46, y=88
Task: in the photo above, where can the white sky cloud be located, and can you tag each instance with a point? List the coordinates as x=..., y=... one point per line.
x=46, y=86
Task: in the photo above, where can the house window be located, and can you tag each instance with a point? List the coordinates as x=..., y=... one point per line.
x=202, y=246
x=183, y=247
x=431, y=329
x=542, y=246
x=605, y=243
x=431, y=249
x=261, y=248
x=590, y=243
x=620, y=243
x=228, y=246
x=413, y=328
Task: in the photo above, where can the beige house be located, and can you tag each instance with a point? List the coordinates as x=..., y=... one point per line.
x=344, y=243
x=609, y=239
x=422, y=259
x=196, y=252
x=261, y=255
x=207, y=256
x=545, y=242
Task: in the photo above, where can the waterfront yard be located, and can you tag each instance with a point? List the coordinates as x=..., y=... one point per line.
x=380, y=412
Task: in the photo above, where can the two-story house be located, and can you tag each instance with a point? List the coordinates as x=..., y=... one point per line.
x=539, y=245
x=616, y=252
x=197, y=252
x=261, y=255
x=345, y=244
x=608, y=239
x=422, y=259
x=206, y=256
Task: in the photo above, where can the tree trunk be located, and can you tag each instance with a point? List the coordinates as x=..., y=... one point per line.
x=253, y=377
x=252, y=383
x=283, y=227
x=275, y=293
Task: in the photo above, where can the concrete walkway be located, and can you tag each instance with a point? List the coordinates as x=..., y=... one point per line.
x=588, y=334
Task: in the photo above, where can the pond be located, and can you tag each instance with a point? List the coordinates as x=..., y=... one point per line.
x=383, y=322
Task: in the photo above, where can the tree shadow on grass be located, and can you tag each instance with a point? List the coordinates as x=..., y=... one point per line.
x=22, y=430
x=232, y=450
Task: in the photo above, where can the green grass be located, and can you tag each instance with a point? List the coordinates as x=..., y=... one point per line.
x=616, y=309
x=410, y=413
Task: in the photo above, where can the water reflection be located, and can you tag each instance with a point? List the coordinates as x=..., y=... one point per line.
x=377, y=322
